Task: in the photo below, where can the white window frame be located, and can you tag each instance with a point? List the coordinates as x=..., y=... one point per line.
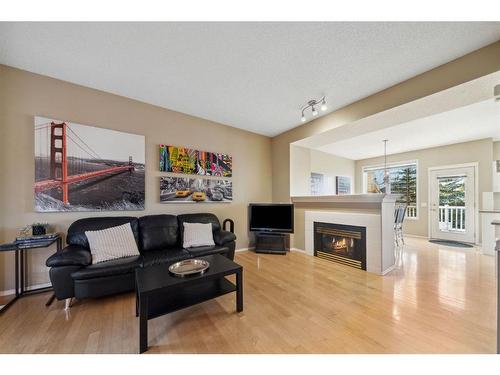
x=367, y=168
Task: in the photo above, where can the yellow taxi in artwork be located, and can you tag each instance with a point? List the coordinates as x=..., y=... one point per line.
x=182, y=193
x=199, y=196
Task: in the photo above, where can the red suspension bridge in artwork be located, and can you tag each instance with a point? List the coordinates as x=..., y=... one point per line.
x=66, y=170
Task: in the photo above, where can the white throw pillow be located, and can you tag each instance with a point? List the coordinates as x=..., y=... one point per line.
x=196, y=234
x=112, y=243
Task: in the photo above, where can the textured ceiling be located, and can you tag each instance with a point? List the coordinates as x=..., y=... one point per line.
x=473, y=122
x=253, y=76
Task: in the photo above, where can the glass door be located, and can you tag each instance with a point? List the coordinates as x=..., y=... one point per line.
x=452, y=204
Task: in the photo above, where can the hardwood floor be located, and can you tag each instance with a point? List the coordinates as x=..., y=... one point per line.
x=440, y=300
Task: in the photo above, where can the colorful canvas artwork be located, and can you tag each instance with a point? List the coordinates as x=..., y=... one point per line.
x=195, y=190
x=85, y=168
x=188, y=161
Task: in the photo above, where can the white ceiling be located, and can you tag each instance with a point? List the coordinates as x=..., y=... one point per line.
x=476, y=121
x=253, y=76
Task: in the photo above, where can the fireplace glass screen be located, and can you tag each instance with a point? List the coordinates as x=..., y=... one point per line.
x=345, y=244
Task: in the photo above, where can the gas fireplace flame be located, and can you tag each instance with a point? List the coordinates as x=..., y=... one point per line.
x=339, y=244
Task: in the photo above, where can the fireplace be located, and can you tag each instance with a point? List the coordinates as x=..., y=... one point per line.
x=345, y=244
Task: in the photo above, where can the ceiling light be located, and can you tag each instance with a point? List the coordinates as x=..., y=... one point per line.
x=323, y=105
x=312, y=104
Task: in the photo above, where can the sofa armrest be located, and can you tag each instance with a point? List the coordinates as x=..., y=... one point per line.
x=221, y=237
x=231, y=225
x=71, y=255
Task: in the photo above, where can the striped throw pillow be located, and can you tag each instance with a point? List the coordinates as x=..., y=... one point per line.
x=112, y=243
x=196, y=234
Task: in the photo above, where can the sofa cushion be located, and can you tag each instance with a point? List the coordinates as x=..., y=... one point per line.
x=112, y=243
x=76, y=231
x=104, y=286
x=154, y=257
x=197, y=234
x=207, y=250
x=203, y=218
x=108, y=268
x=158, y=232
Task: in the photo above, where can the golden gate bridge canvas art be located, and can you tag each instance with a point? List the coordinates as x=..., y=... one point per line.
x=85, y=168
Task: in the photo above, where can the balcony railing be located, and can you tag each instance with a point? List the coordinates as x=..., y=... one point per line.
x=452, y=218
x=411, y=211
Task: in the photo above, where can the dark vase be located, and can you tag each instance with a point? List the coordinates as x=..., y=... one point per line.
x=38, y=230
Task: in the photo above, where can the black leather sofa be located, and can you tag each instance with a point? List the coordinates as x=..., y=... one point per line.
x=158, y=237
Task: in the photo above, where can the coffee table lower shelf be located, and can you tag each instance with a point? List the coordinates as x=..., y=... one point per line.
x=188, y=296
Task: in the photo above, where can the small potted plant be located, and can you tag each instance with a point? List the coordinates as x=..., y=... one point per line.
x=39, y=228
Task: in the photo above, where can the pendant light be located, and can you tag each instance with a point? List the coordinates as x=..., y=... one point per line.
x=387, y=184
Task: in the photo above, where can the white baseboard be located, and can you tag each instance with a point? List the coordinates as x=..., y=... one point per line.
x=243, y=249
x=28, y=288
x=415, y=236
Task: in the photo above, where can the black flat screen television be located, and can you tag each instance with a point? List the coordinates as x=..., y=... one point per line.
x=271, y=217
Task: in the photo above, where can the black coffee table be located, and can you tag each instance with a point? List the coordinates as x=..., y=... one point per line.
x=158, y=292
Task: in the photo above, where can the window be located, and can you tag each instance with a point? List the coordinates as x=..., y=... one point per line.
x=403, y=180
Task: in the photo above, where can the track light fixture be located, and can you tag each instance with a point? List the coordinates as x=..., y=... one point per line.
x=313, y=103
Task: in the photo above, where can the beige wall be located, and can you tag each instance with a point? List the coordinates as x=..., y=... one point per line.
x=24, y=95
x=496, y=150
x=474, y=65
x=469, y=152
x=304, y=161
x=300, y=170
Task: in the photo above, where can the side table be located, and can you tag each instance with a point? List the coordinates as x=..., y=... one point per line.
x=20, y=248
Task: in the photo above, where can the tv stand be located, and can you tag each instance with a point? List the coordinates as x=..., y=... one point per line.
x=270, y=243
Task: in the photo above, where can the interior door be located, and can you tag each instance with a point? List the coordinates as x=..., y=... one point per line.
x=452, y=204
